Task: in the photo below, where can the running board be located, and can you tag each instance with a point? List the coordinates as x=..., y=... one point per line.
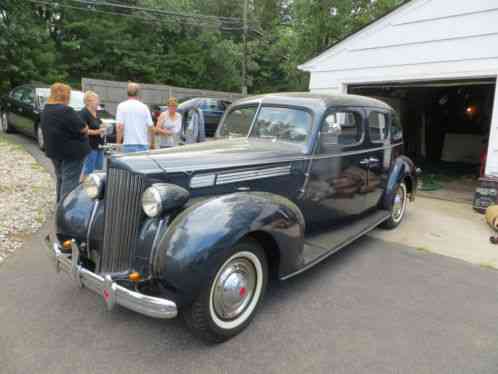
x=321, y=244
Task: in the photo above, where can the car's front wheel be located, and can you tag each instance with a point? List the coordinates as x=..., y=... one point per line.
x=398, y=207
x=4, y=123
x=230, y=299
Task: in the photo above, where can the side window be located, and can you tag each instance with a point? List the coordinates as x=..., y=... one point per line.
x=396, y=128
x=28, y=97
x=378, y=127
x=238, y=122
x=340, y=129
x=17, y=94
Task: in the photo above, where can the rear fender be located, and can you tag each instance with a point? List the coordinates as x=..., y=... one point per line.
x=199, y=239
x=403, y=170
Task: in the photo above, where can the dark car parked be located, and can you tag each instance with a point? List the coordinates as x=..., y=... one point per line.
x=20, y=111
x=212, y=108
x=201, y=229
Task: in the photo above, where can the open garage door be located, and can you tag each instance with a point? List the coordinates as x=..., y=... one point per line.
x=446, y=127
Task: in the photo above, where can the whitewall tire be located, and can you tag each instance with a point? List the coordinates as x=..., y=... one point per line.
x=231, y=298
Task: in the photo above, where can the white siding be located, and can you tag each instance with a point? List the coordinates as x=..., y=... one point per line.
x=422, y=40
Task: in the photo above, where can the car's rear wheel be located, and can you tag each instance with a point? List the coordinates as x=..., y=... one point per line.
x=39, y=137
x=230, y=299
x=398, y=207
x=4, y=123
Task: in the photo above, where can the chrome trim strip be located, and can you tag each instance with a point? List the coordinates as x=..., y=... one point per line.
x=239, y=176
x=110, y=290
x=202, y=180
x=335, y=250
x=155, y=242
x=90, y=224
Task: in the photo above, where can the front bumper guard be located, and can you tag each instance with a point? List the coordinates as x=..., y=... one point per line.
x=105, y=286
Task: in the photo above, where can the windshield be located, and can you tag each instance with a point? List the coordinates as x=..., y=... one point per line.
x=282, y=124
x=238, y=122
x=76, y=101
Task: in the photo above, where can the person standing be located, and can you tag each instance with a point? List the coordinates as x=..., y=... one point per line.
x=66, y=140
x=195, y=131
x=95, y=160
x=169, y=125
x=134, y=122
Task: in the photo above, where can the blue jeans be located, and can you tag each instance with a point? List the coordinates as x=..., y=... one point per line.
x=128, y=148
x=67, y=174
x=94, y=161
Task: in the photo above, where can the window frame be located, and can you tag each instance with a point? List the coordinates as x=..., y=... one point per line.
x=388, y=117
x=358, y=110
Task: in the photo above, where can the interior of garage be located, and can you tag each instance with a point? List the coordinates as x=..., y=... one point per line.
x=446, y=128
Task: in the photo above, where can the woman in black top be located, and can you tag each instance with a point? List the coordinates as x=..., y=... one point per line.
x=66, y=140
x=88, y=114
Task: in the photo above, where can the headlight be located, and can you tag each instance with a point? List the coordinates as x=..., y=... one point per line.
x=163, y=197
x=94, y=185
x=151, y=202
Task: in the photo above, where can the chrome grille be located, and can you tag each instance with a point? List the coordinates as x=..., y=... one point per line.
x=123, y=213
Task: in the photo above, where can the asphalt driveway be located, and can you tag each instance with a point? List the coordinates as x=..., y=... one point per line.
x=375, y=307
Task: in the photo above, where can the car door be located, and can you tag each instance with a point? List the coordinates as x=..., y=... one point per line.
x=378, y=155
x=12, y=106
x=337, y=177
x=26, y=116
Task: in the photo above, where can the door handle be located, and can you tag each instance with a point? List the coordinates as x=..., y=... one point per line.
x=369, y=161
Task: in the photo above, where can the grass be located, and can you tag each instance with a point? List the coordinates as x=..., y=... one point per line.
x=488, y=265
x=424, y=249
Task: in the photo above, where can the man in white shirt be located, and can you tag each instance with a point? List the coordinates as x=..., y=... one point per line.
x=134, y=122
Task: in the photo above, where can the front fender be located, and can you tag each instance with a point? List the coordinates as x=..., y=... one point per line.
x=403, y=169
x=201, y=237
x=73, y=214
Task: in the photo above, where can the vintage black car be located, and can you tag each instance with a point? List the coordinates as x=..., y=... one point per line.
x=20, y=111
x=200, y=229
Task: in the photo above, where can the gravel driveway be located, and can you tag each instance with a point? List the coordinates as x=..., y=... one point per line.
x=26, y=196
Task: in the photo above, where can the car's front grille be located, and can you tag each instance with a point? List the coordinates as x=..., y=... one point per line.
x=123, y=214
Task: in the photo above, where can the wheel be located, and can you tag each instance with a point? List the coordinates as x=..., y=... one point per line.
x=39, y=137
x=398, y=207
x=230, y=299
x=4, y=123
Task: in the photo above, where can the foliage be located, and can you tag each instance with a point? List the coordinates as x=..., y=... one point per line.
x=57, y=42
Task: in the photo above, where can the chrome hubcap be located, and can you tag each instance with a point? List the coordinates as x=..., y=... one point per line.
x=399, y=203
x=234, y=288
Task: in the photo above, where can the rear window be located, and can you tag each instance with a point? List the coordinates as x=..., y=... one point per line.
x=396, y=128
x=378, y=127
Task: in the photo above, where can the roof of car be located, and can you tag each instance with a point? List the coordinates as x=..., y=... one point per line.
x=309, y=99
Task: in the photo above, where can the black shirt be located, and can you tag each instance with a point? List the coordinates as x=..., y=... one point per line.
x=61, y=127
x=93, y=124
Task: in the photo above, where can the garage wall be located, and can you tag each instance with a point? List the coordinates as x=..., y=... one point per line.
x=422, y=40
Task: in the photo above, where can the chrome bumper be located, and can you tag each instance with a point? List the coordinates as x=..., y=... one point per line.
x=111, y=292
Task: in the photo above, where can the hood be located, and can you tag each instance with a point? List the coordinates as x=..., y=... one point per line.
x=224, y=154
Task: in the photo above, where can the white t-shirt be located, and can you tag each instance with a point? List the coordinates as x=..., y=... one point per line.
x=136, y=119
x=173, y=125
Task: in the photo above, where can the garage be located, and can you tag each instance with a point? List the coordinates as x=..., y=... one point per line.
x=432, y=61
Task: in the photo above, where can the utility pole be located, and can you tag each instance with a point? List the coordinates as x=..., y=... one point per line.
x=244, y=57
